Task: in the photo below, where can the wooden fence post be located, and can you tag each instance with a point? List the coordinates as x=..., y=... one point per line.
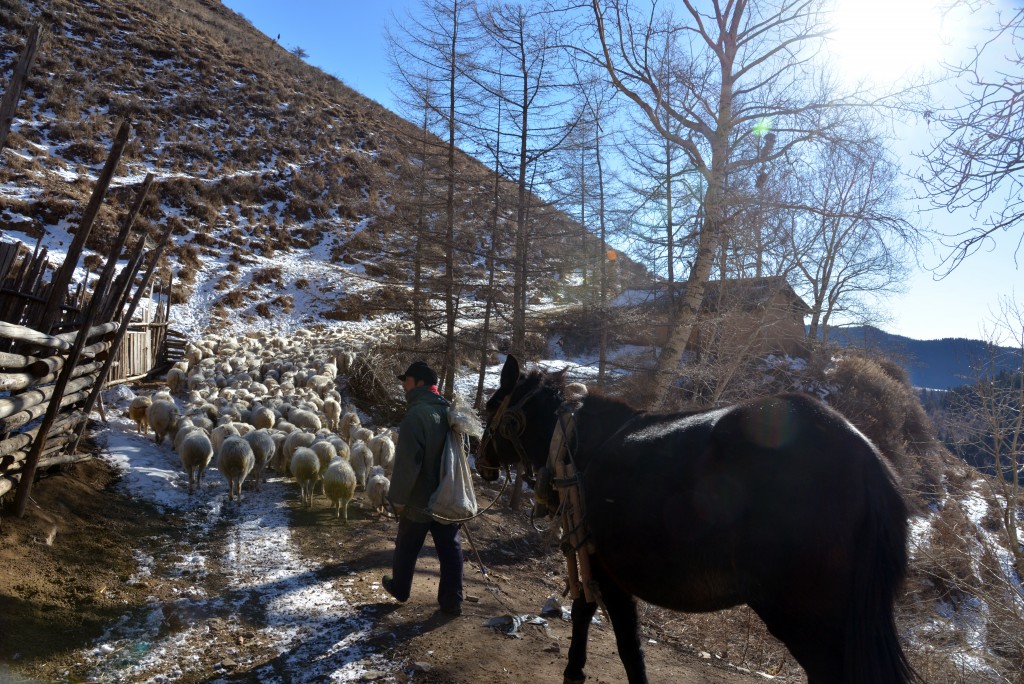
x=51, y=313
x=13, y=93
x=115, y=344
x=123, y=283
x=122, y=238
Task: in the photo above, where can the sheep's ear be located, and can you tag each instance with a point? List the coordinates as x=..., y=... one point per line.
x=509, y=373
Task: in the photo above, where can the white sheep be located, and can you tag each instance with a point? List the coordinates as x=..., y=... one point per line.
x=348, y=421
x=332, y=412
x=340, y=446
x=263, y=449
x=195, y=452
x=361, y=459
x=162, y=416
x=321, y=384
x=279, y=463
x=184, y=427
x=330, y=369
x=340, y=486
x=263, y=417
x=293, y=441
x=235, y=461
x=176, y=379
x=326, y=452
x=306, y=420
x=221, y=433
x=196, y=382
x=137, y=412
x=193, y=355
x=377, y=487
x=345, y=360
x=383, y=450
x=305, y=467
x=360, y=434
x=243, y=428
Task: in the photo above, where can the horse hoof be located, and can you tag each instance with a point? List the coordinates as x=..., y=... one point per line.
x=569, y=680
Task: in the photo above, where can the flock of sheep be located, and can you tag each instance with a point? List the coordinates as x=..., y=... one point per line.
x=262, y=402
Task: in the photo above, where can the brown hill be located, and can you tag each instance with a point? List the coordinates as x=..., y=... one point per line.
x=256, y=154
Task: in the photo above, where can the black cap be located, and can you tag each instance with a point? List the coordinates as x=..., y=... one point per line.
x=420, y=371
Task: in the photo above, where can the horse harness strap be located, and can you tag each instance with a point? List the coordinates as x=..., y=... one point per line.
x=575, y=535
x=509, y=422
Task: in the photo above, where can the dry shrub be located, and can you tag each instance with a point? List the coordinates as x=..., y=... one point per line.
x=958, y=573
x=235, y=299
x=390, y=269
x=188, y=256
x=268, y=276
x=944, y=559
x=225, y=282
x=877, y=398
x=371, y=382
x=283, y=303
x=85, y=152
x=204, y=239
x=369, y=303
x=638, y=389
x=180, y=293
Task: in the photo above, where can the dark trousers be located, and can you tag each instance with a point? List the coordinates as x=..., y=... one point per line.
x=408, y=543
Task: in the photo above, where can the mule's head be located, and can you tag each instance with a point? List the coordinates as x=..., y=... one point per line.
x=520, y=419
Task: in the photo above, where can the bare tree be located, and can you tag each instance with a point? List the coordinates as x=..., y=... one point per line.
x=976, y=163
x=665, y=190
x=587, y=194
x=429, y=56
x=987, y=422
x=747, y=66
x=849, y=238
x=525, y=45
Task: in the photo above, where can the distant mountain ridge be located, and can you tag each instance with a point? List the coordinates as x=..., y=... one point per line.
x=933, y=364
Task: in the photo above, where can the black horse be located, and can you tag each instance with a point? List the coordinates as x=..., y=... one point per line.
x=779, y=503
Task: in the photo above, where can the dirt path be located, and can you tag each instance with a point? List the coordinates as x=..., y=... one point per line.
x=140, y=591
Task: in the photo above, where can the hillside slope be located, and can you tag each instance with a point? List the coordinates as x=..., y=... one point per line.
x=932, y=364
x=289, y=194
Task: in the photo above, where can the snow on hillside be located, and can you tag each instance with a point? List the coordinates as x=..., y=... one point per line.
x=311, y=281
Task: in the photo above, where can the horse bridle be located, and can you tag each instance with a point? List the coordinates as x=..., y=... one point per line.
x=509, y=423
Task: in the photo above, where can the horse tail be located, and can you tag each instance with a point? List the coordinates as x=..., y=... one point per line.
x=874, y=653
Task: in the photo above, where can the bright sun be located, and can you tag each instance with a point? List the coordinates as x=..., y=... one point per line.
x=885, y=41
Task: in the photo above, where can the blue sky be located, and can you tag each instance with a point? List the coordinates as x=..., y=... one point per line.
x=345, y=38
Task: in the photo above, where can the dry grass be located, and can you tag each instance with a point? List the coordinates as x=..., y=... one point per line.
x=877, y=397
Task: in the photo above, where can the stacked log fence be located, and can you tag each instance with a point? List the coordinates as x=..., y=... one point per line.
x=62, y=342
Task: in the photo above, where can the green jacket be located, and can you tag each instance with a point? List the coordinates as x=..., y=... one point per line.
x=421, y=436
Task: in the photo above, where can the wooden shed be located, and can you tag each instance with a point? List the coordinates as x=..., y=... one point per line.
x=758, y=315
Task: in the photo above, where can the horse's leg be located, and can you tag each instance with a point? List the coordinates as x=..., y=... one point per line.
x=816, y=645
x=622, y=612
x=582, y=614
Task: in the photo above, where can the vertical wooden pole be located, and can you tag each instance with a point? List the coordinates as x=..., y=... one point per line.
x=51, y=314
x=123, y=284
x=115, y=344
x=13, y=93
x=122, y=238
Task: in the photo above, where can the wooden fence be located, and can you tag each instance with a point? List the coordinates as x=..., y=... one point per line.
x=61, y=344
